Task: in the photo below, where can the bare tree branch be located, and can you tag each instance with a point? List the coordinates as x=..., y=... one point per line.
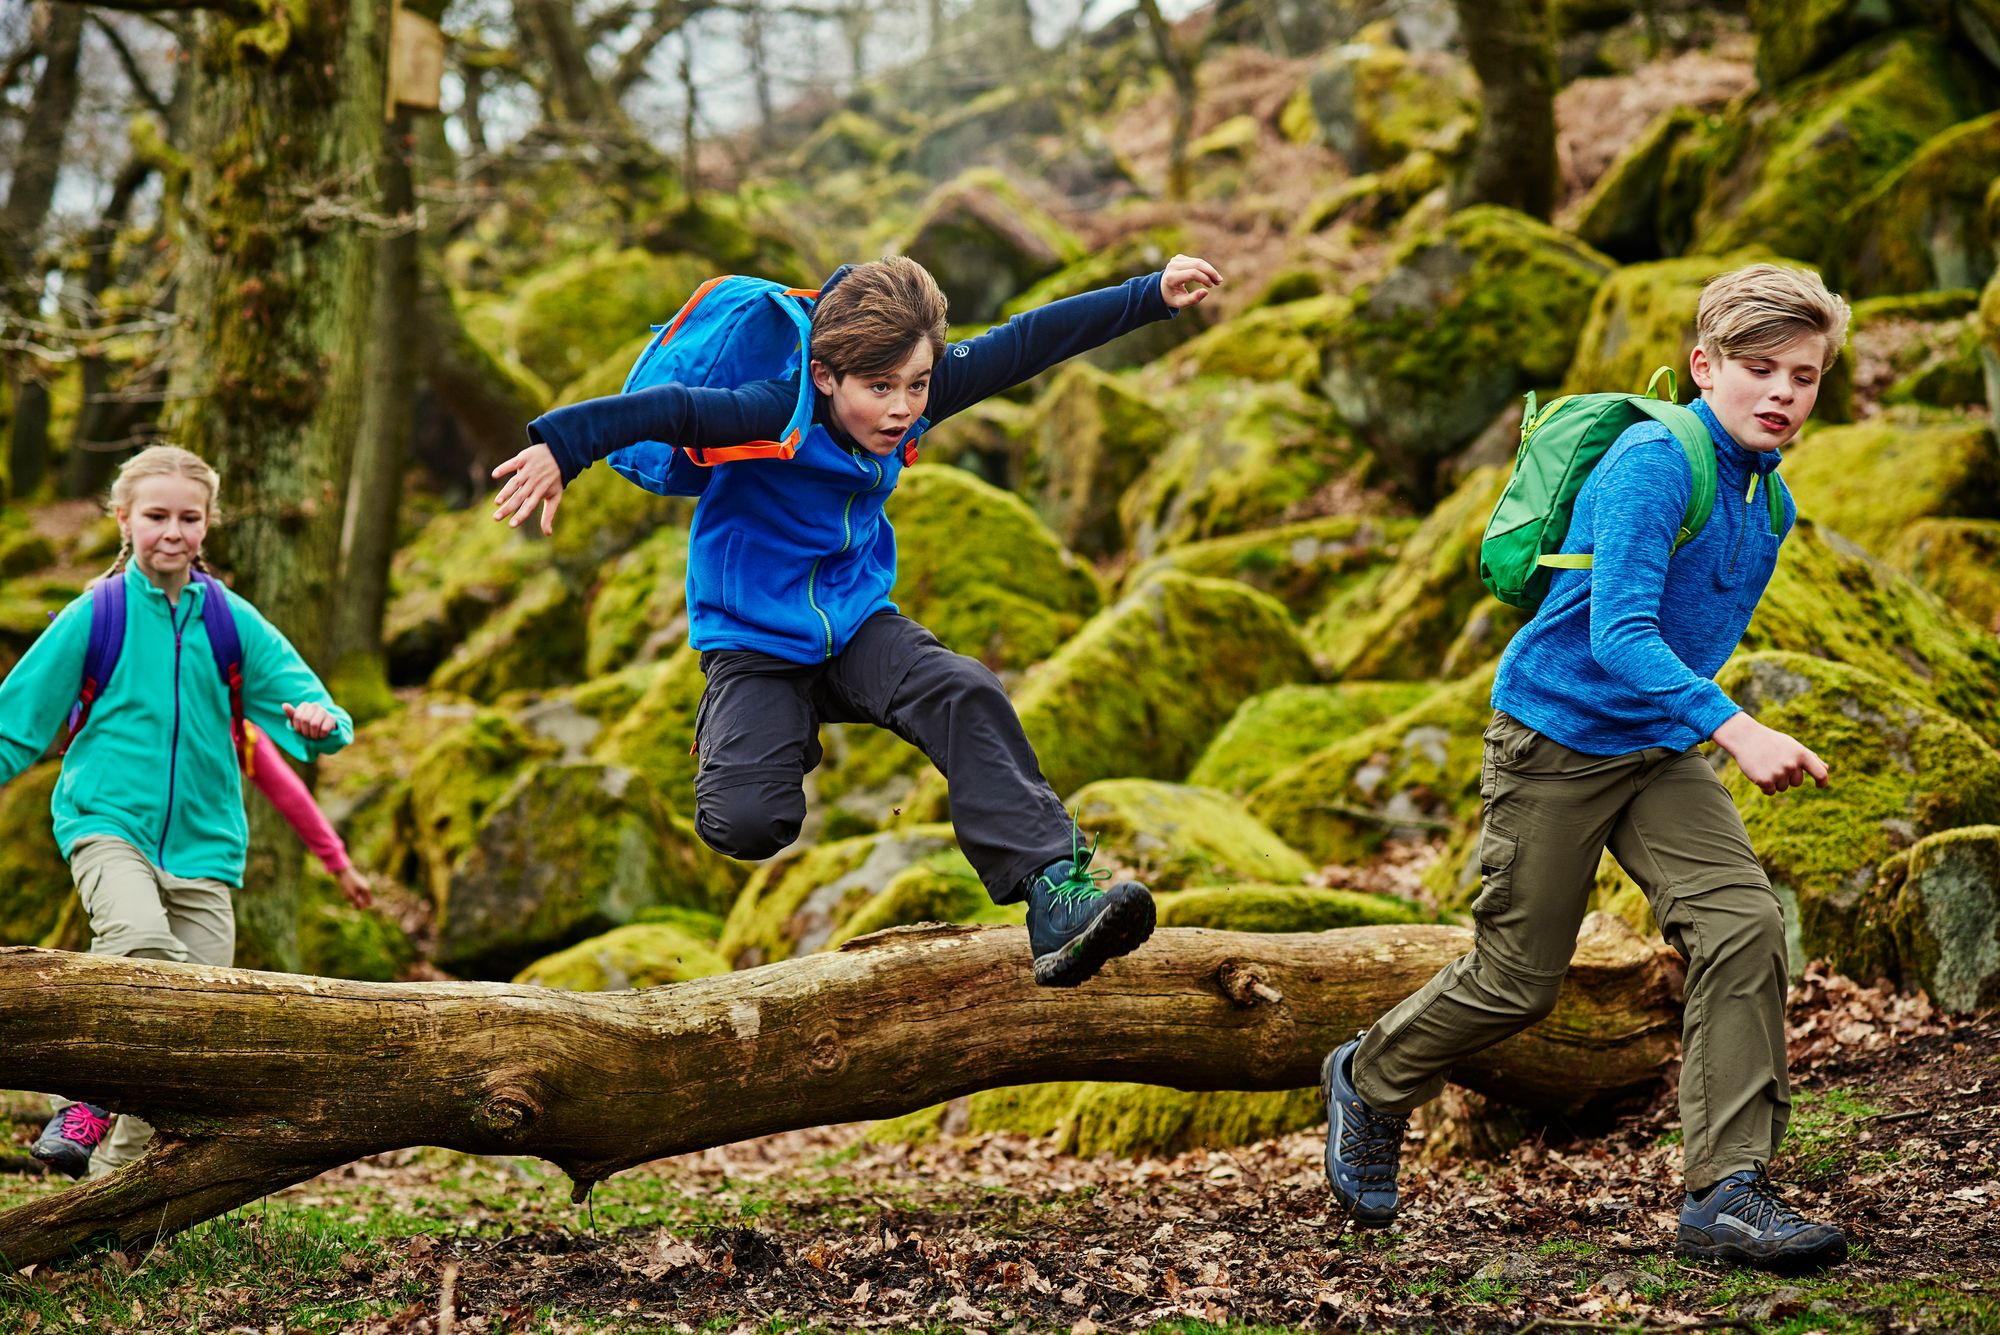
x=131, y=65
x=669, y=18
x=247, y=11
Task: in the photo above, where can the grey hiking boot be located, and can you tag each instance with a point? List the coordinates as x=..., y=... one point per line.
x=1363, y=1145
x=1742, y=1220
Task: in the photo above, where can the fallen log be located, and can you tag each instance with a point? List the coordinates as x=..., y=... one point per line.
x=256, y=1081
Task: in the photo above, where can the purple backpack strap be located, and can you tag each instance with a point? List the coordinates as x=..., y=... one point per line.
x=227, y=646
x=100, y=656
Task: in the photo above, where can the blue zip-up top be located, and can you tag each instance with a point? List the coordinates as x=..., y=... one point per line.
x=789, y=557
x=1623, y=656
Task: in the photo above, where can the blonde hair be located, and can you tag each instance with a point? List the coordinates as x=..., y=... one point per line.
x=875, y=316
x=159, y=461
x=1754, y=311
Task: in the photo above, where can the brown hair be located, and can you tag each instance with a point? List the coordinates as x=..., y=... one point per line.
x=874, y=318
x=1754, y=311
x=159, y=461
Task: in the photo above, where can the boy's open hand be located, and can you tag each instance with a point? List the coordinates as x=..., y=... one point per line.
x=1767, y=757
x=536, y=478
x=310, y=721
x=1183, y=270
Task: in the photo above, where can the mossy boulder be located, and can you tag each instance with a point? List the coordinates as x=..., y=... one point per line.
x=638, y=613
x=1172, y=835
x=640, y=954
x=1242, y=455
x=1411, y=775
x=987, y=440
x=1871, y=481
x=1282, y=908
x=1902, y=770
x=727, y=234
x=943, y=889
x=444, y=583
x=566, y=852
x=1277, y=342
x=1403, y=624
x=844, y=141
x=1795, y=37
x=655, y=735
x=453, y=783
x=987, y=241
x=1142, y=252
x=1012, y=112
x=1767, y=175
x=1925, y=225
x=1989, y=343
x=1089, y=437
x=1302, y=565
x=1281, y=727
x=608, y=377
x=337, y=940
x=1946, y=917
x=1621, y=213
x=1957, y=559
x=1374, y=103
x=35, y=885
x=25, y=605
x=364, y=788
x=568, y=319
x=1465, y=317
x=977, y=567
x=1124, y=1120
x=534, y=641
x=795, y=902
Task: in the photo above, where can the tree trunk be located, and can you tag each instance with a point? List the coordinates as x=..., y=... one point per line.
x=489, y=406
x=104, y=425
x=1514, y=163
x=1180, y=71
x=258, y=1081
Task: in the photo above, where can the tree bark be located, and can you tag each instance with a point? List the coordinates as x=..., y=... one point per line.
x=257, y=1081
x=103, y=424
x=1514, y=162
x=1180, y=71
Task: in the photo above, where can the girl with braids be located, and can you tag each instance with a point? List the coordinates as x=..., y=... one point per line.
x=149, y=808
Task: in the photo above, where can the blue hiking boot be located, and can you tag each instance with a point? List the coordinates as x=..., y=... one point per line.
x=66, y=1142
x=1742, y=1220
x=1074, y=925
x=1362, y=1145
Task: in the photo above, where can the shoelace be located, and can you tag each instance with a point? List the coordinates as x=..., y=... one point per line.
x=1758, y=1204
x=82, y=1125
x=1083, y=881
x=1373, y=1140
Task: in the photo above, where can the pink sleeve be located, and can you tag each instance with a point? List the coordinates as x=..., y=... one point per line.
x=275, y=779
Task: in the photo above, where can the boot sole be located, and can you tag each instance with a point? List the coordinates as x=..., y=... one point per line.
x=1122, y=928
x=1803, y=1260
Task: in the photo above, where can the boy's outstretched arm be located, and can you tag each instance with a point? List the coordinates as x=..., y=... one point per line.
x=1033, y=341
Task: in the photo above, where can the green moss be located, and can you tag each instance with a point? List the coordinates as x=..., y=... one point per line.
x=568, y=319
x=1172, y=836
x=1958, y=560
x=1403, y=626
x=729, y=234
x=1011, y=111
x=986, y=440
x=1302, y=565
x=655, y=735
x=364, y=787
x=985, y=241
x=535, y=641
x=1946, y=918
x=1278, y=342
x=1234, y=139
x=1142, y=252
x=795, y=902
x=1242, y=456
x=942, y=889
x=1378, y=199
x=337, y=940
x=1464, y=318
x=1870, y=482
x=1925, y=225
x=453, y=784
x=1901, y=770
x=1089, y=437
x=1621, y=214
x=1795, y=37
x=1416, y=773
x=445, y=583
x=35, y=886
x=1124, y=1120
x=1989, y=343
x=1281, y=727
x=608, y=376
x=638, y=613
x=635, y=955
x=1375, y=103
x=1282, y=908
x=844, y=141
x=865, y=777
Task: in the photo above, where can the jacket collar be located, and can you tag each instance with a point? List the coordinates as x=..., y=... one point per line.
x=137, y=585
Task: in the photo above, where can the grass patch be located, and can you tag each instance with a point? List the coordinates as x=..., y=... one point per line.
x=1824, y=1124
x=1576, y=1247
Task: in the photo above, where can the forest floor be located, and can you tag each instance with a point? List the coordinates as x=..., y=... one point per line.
x=1896, y=1136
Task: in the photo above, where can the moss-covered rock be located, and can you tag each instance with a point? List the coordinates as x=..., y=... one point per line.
x=1374, y=103
x=1282, y=908
x=1125, y=1120
x=1831, y=600
x=1302, y=565
x=1403, y=625
x=1013, y=111
x=1901, y=770
x=942, y=889
x=566, y=320
x=25, y=605
x=844, y=141
x=1957, y=559
x=1946, y=917
x=1925, y=225
x=566, y=852
x=1989, y=343
x=535, y=641
x=453, y=783
x=1242, y=455
x=1621, y=213
x=1275, y=730
x=1129, y=257
x=1172, y=836
x=1795, y=37
x=364, y=787
x=978, y=567
x=986, y=241
x=1279, y=342
x=642, y=954
x=1464, y=318
x=1378, y=200
x=987, y=440
x=1089, y=437
x=608, y=376
x=656, y=734
x=337, y=940
x=1869, y=482
x=638, y=613
x=445, y=583
x=795, y=902
x=728, y=234
x=1414, y=774
x=35, y=886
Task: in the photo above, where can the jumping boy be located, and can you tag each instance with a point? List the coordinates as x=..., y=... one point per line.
x=790, y=564
x=1598, y=706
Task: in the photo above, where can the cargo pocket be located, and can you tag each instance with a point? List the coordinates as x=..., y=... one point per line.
x=1496, y=871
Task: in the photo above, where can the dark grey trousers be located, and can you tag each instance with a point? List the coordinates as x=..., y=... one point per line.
x=757, y=735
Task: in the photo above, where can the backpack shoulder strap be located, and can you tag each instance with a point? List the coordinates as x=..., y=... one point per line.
x=100, y=655
x=227, y=646
x=1692, y=433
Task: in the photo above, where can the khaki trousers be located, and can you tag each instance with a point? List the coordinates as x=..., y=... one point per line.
x=139, y=911
x=1549, y=814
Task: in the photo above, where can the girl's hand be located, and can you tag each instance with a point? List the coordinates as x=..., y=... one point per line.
x=1183, y=270
x=310, y=721
x=536, y=477
x=355, y=886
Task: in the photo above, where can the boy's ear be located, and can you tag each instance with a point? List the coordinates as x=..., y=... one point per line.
x=1701, y=368
x=823, y=379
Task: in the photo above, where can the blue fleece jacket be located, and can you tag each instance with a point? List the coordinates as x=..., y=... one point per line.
x=1623, y=656
x=788, y=557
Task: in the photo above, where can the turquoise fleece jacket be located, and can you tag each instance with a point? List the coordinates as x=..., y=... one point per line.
x=154, y=765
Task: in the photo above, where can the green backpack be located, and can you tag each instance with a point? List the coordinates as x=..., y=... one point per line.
x=1559, y=446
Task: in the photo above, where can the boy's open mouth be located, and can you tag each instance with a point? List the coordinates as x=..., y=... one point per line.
x=1774, y=421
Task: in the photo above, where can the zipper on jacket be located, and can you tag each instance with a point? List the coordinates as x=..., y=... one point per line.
x=173, y=748
x=846, y=537
x=1749, y=496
